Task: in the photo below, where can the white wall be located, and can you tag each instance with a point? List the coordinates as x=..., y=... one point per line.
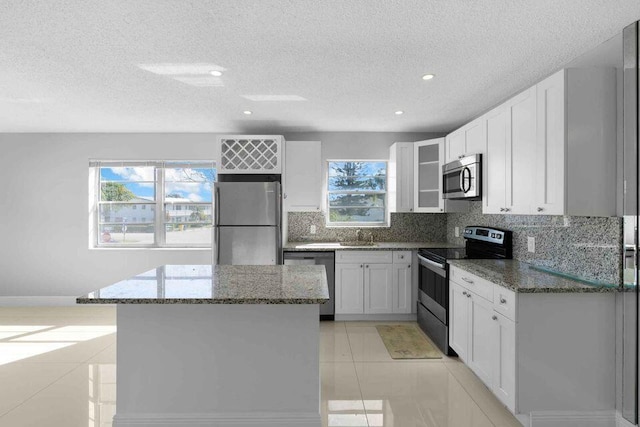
x=44, y=204
x=44, y=218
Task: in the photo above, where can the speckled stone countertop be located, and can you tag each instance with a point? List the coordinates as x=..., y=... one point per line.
x=525, y=278
x=220, y=284
x=379, y=246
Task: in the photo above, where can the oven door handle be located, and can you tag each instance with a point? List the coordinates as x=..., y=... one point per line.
x=431, y=263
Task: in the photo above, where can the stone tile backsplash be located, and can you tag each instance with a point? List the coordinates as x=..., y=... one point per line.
x=588, y=247
x=405, y=227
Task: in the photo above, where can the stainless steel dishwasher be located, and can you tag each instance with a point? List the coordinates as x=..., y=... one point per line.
x=327, y=310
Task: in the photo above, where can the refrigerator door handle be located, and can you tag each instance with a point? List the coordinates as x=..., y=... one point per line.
x=216, y=200
x=217, y=245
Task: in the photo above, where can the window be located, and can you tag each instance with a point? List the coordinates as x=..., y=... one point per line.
x=356, y=193
x=177, y=194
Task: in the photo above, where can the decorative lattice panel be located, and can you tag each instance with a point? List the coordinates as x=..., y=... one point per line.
x=250, y=155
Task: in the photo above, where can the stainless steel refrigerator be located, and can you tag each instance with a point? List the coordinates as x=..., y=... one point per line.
x=248, y=219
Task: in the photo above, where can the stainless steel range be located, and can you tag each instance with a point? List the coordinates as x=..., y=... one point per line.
x=433, y=293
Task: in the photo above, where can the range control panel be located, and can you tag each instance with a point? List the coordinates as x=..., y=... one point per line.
x=493, y=235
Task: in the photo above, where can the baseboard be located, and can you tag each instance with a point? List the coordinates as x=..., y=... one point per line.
x=37, y=301
x=621, y=422
x=413, y=317
x=218, y=420
x=572, y=419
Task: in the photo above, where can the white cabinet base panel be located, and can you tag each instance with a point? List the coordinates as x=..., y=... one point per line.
x=215, y=364
x=572, y=419
x=411, y=317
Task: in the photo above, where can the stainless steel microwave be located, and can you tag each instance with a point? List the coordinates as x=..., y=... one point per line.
x=462, y=178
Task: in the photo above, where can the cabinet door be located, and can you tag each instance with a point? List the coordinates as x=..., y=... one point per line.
x=550, y=146
x=427, y=191
x=475, y=137
x=481, y=332
x=520, y=152
x=400, y=177
x=378, y=288
x=402, y=288
x=458, y=319
x=303, y=176
x=504, y=361
x=495, y=160
x=454, y=145
x=349, y=289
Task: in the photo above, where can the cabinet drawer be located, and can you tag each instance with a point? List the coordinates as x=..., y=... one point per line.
x=370, y=257
x=402, y=257
x=504, y=302
x=477, y=285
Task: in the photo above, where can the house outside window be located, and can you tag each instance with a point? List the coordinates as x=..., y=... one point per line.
x=357, y=193
x=178, y=195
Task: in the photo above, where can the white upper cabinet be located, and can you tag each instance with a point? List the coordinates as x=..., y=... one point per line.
x=303, y=176
x=576, y=130
x=427, y=191
x=250, y=154
x=401, y=177
x=466, y=141
x=509, y=173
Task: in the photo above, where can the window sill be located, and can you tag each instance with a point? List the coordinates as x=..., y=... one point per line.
x=357, y=226
x=120, y=248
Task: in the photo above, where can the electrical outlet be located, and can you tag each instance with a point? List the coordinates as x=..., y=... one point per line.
x=312, y=229
x=531, y=244
x=456, y=230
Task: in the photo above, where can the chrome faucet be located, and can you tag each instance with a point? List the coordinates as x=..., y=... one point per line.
x=358, y=234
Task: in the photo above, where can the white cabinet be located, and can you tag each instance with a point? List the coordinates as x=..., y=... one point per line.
x=483, y=338
x=576, y=124
x=303, y=176
x=524, y=346
x=349, y=288
x=428, y=160
x=400, y=188
x=378, y=288
x=511, y=136
x=468, y=140
x=373, y=282
x=250, y=154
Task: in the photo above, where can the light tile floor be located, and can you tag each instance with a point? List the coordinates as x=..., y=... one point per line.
x=57, y=369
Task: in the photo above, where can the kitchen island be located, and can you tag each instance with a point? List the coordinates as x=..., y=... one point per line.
x=202, y=345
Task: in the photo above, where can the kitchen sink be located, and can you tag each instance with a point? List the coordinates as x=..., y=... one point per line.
x=356, y=243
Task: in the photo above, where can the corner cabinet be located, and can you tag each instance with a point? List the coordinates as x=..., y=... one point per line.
x=400, y=181
x=373, y=282
x=303, y=176
x=245, y=154
x=466, y=141
x=427, y=184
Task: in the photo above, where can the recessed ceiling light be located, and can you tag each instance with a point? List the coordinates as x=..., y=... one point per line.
x=428, y=76
x=247, y=112
x=399, y=112
x=216, y=73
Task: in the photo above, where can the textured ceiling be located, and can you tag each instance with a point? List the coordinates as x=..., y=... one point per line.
x=333, y=65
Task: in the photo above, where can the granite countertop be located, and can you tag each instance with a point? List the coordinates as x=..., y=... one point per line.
x=525, y=278
x=379, y=246
x=220, y=284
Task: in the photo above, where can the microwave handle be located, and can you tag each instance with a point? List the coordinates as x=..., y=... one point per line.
x=467, y=171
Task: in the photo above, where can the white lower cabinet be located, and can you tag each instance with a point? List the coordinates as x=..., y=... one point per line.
x=349, y=289
x=542, y=354
x=373, y=282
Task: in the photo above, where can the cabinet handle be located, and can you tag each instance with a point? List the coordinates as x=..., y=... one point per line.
x=410, y=209
x=409, y=266
x=467, y=280
x=367, y=265
x=501, y=209
x=468, y=295
x=507, y=209
x=360, y=265
x=503, y=301
x=464, y=292
x=494, y=317
x=540, y=209
x=401, y=256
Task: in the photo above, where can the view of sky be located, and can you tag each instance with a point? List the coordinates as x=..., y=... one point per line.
x=193, y=184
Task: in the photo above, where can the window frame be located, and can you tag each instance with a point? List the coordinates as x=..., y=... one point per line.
x=379, y=224
x=159, y=218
